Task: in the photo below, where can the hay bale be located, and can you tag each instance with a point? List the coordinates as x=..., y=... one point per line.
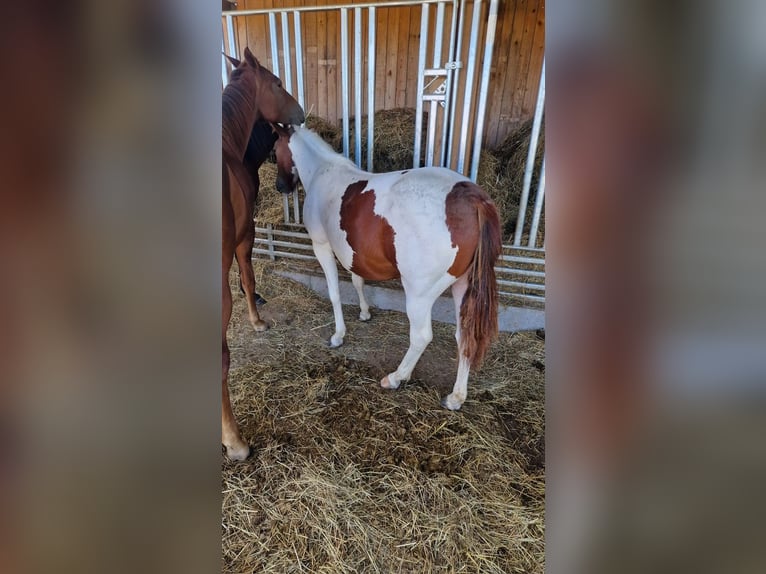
x=512, y=160
x=268, y=205
x=330, y=133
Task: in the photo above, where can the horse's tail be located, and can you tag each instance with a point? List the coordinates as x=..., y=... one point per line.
x=478, y=310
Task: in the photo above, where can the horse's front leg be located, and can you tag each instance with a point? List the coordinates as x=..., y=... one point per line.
x=364, y=308
x=326, y=258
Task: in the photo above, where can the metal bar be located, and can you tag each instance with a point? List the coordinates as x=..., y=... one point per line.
x=230, y=35
x=299, y=56
x=344, y=75
x=431, y=134
x=531, y=153
x=296, y=206
x=393, y=4
x=455, y=82
x=358, y=86
x=448, y=115
x=277, y=243
x=481, y=111
x=536, y=298
x=433, y=98
x=274, y=254
x=526, y=272
x=437, y=56
x=538, y=206
x=286, y=53
x=283, y=233
x=435, y=71
x=370, y=85
x=470, y=73
x=520, y=284
x=514, y=259
x=270, y=240
x=274, y=48
x=224, y=69
x=421, y=79
x=286, y=207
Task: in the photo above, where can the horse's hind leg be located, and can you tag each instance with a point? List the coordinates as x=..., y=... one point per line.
x=364, y=313
x=419, y=314
x=247, y=277
x=455, y=400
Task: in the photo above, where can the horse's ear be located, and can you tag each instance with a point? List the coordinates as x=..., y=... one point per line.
x=233, y=60
x=281, y=131
x=251, y=59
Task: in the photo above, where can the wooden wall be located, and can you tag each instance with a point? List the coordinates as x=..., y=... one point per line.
x=516, y=61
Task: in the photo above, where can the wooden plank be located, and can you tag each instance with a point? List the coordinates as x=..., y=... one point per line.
x=402, y=49
x=322, y=76
x=413, y=46
x=507, y=119
x=525, y=55
x=501, y=67
x=333, y=66
x=381, y=41
x=532, y=82
x=391, y=57
x=310, y=59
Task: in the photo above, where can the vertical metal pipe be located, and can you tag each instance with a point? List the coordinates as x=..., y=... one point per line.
x=286, y=52
x=273, y=42
x=448, y=110
x=481, y=111
x=299, y=59
x=531, y=152
x=470, y=73
x=358, y=86
x=230, y=34
x=224, y=69
x=370, y=85
x=437, y=56
x=296, y=206
x=344, y=75
x=538, y=207
x=421, y=78
x=286, y=207
x=455, y=81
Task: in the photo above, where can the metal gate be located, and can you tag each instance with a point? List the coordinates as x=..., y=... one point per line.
x=455, y=112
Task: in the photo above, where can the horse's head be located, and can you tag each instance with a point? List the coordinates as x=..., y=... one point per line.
x=287, y=174
x=274, y=103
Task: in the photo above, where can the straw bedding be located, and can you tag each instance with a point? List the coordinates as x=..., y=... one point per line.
x=349, y=477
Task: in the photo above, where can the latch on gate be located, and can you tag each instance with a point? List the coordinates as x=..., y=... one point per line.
x=453, y=65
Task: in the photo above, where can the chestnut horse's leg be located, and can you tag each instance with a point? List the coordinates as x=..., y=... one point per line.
x=326, y=258
x=364, y=313
x=455, y=400
x=236, y=448
x=244, y=260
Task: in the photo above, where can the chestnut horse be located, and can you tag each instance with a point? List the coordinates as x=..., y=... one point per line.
x=253, y=93
x=431, y=227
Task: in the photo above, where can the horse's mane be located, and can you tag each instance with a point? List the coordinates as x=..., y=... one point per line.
x=261, y=142
x=237, y=115
x=320, y=146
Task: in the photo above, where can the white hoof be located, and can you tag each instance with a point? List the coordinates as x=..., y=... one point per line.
x=260, y=326
x=336, y=341
x=389, y=383
x=452, y=402
x=238, y=452
x=364, y=316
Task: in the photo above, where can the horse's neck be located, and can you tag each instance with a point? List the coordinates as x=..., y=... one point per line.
x=260, y=144
x=314, y=162
x=240, y=113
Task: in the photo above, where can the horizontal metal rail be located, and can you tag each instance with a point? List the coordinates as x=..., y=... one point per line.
x=395, y=4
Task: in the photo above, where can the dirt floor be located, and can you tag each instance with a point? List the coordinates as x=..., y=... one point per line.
x=349, y=477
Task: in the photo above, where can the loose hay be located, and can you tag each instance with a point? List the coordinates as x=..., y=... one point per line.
x=348, y=477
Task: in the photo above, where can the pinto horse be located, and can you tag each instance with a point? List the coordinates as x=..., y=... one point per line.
x=253, y=93
x=431, y=227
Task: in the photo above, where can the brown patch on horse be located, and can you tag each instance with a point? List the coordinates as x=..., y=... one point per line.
x=475, y=229
x=370, y=235
x=463, y=223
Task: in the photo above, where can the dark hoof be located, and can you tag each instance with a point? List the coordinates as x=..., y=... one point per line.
x=259, y=300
